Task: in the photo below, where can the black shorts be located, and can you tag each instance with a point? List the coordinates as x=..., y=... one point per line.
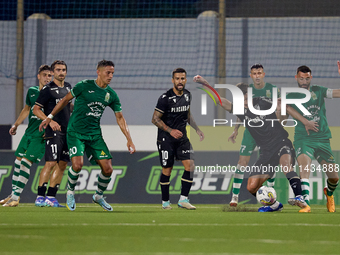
x=56, y=148
x=170, y=149
x=268, y=162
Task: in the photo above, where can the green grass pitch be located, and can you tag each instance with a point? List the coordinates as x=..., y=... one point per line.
x=147, y=229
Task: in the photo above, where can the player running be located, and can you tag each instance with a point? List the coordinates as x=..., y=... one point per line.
x=84, y=133
x=276, y=148
x=171, y=115
x=260, y=89
x=32, y=145
x=317, y=144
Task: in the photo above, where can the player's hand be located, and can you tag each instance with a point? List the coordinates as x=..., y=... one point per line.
x=199, y=79
x=175, y=133
x=55, y=126
x=338, y=66
x=233, y=136
x=44, y=124
x=311, y=125
x=131, y=147
x=13, y=130
x=200, y=134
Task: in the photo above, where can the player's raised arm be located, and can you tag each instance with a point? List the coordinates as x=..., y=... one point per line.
x=309, y=125
x=192, y=123
x=226, y=104
x=125, y=130
x=61, y=104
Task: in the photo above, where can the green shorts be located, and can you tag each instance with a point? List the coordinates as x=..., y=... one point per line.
x=320, y=150
x=31, y=148
x=248, y=144
x=93, y=145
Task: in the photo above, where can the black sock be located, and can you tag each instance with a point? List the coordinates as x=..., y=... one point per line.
x=294, y=182
x=186, y=183
x=52, y=191
x=42, y=189
x=254, y=194
x=165, y=184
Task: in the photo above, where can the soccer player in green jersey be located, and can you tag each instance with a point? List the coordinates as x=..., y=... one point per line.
x=316, y=144
x=248, y=145
x=84, y=133
x=32, y=145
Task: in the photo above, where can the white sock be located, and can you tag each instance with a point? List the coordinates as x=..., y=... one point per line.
x=183, y=197
x=275, y=205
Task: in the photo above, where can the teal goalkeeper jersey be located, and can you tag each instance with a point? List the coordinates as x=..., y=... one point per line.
x=90, y=103
x=32, y=129
x=266, y=91
x=316, y=106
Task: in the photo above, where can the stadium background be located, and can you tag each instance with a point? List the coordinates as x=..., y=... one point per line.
x=147, y=40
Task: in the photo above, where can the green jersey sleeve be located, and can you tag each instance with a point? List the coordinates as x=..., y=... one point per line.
x=115, y=104
x=77, y=89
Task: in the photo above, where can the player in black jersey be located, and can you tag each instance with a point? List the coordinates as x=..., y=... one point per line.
x=276, y=148
x=171, y=116
x=56, y=150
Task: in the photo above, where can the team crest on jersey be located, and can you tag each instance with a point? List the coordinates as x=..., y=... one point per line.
x=313, y=95
x=268, y=93
x=107, y=97
x=186, y=97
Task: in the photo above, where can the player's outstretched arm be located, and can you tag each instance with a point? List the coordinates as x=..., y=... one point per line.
x=192, y=123
x=125, y=130
x=22, y=116
x=225, y=104
x=48, y=120
x=309, y=125
x=156, y=120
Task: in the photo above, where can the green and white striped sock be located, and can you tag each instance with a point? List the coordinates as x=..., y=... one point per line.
x=103, y=182
x=72, y=179
x=23, y=178
x=305, y=190
x=271, y=181
x=331, y=187
x=238, y=178
x=15, y=176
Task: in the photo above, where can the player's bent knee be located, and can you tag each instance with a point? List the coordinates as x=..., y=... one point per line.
x=334, y=180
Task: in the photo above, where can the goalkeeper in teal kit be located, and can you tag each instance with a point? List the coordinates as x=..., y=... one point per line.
x=84, y=132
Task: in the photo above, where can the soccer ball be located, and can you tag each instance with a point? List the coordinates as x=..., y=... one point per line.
x=266, y=195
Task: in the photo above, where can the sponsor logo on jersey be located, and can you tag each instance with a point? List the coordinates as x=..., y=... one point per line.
x=180, y=108
x=91, y=91
x=186, y=97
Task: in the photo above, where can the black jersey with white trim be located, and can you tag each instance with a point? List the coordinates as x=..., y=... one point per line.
x=48, y=98
x=266, y=130
x=175, y=111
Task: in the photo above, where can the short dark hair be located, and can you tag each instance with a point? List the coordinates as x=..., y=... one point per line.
x=256, y=66
x=104, y=63
x=178, y=70
x=44, y=68
x=243, y=86
x=303, y=69
x=58, y=62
